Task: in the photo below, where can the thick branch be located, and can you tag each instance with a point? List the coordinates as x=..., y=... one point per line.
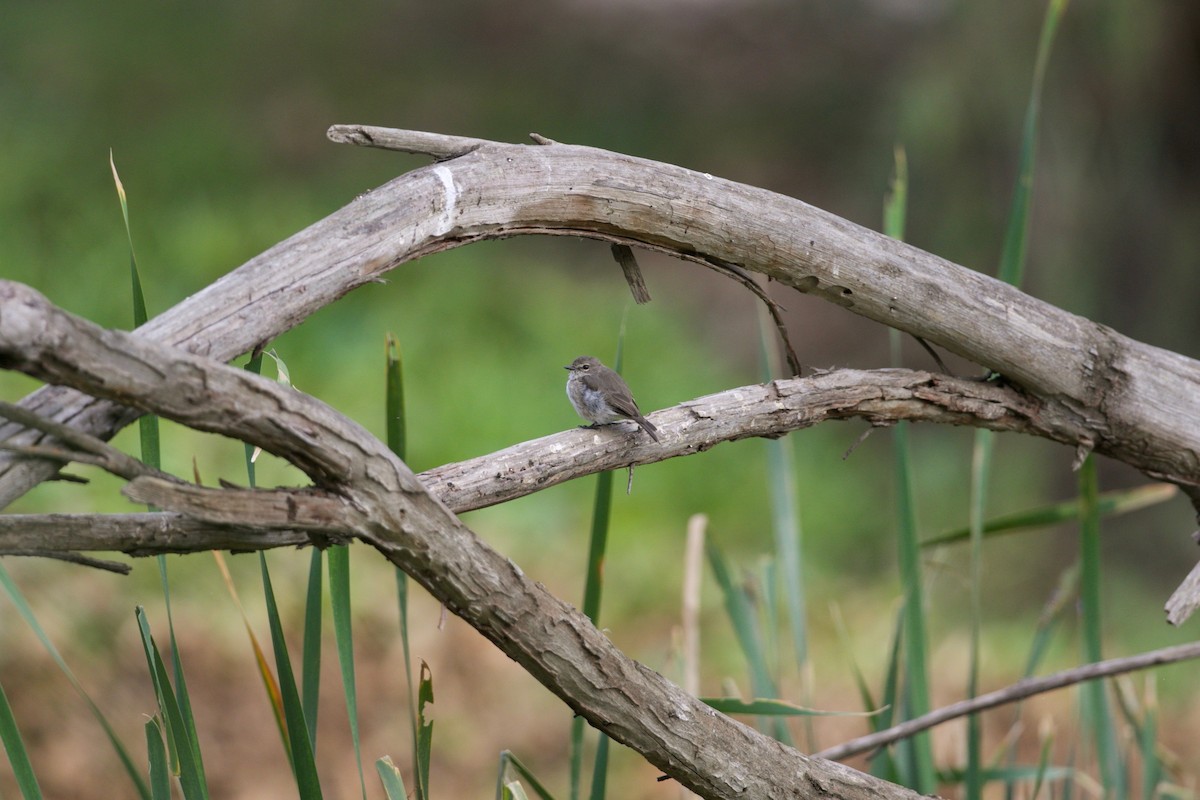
x=384, y=504
x=125, y=365
x=133, y=534
x=881, y=397
x=1139, y=402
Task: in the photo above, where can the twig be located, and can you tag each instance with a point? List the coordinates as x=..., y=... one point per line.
x=94, y=451
x=1185, y=599
x=623, y=253
x=941, y=365
x=75, y=558
x=1017, y=691
x=438, y=145
x=138, y=534
x=740, y=275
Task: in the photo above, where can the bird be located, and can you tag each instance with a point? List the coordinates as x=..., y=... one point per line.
x=601, y=396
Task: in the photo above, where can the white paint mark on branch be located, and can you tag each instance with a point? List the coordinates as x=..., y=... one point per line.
x=445, y=219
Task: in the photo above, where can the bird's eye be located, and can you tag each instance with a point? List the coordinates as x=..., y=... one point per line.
x=586, y=367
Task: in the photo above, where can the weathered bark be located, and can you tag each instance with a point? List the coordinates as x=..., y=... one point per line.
x=1138, y=402
x=363, y=489
x=1068, y=379
x=880, y=397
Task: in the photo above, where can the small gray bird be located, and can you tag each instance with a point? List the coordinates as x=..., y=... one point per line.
x=601, y=396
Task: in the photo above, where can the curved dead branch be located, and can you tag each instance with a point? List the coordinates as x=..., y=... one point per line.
x=1139, y=402
x=365, y=490
x=1080, y=383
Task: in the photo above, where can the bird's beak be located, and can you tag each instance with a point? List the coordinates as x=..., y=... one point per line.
x=568, y=367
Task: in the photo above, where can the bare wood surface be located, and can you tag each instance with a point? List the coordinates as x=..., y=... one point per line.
x=880, y=397
x=363, y=488
x=44, y=341
x=142, y=534
x=1086, y=384
x=1139, y=403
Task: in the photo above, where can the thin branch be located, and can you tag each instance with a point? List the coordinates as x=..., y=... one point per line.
x=75, y=558
x=92, y=450
x=279, y=509
x=1010, y=694
x=140, y=534
x=741, y=276
x=937, y=359
x=623, y=254
x=879, y=397
x=438, y=145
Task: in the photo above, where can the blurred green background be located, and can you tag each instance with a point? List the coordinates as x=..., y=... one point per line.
x=216, y=116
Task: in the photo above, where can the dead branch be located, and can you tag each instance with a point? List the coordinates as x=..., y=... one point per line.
x=1138, y=401
x=378, y=498
x=1011, y=694
x=59, y=340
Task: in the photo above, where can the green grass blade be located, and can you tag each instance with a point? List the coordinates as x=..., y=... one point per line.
x=981, y=464
x=507, y=760
x=592, y=589
x=397, y=439
x=739, y=608
x=182, y=697
x=139, y=302
x=402, y=602
x=1011, y=270
x=180, y=735
x=1024, y=774
x=270, y=685
x=339, y=597
x=1061, y=601
x=597, y=546
x=915, y=701
x=18, y=758
x=151, y=454
x=424, y=726
x=895, y=204
x=600, y=770
x=514, y=791
x=1110, y=504
x=310, y=659
x=1104, y=733
x=1043, y=768
x=785, y=511
x=156, y=755
x=23, y=608
x=860, y=681
x=148, y=424
x=884, y=763
x=397, y=426
x=389, y=776
x=916, y=683
x=1147, y=741
x=299, y=746
x=1016, y=237
x=778, y=708
x=575, y=765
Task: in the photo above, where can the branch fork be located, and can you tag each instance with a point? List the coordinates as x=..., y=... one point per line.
x=1070, y=380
